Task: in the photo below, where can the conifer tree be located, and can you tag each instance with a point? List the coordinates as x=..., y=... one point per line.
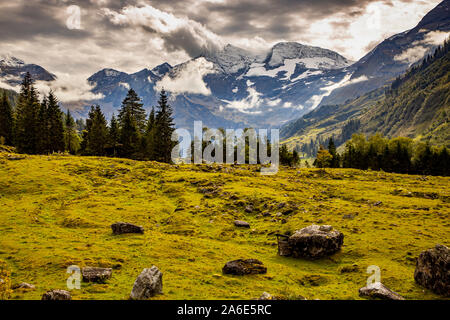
x=43, y=128
x=114, y=135
x=334, y=163
x=95, y=137
x=129, y=136
x=149, y=137
x=55, y=125
x=6, y=120
x=26, y=126
x=133, y=104
x=164, y=127
x=71, y=136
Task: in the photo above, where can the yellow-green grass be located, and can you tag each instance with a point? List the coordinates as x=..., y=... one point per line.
x=56, y=211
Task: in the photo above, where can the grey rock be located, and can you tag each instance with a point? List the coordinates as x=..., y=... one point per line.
x=99, y=275
x=242, y=224
x=266, y=296
x=380, y=291
x=24, y=286
x=148, y=284
x=314, y=242
x=243, y=267
x=433, y=270
x=123, y=227
x=57, y=295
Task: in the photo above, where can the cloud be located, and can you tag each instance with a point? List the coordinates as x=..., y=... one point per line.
x=188, y=78
x=68, y=88
x=421, y=47
x=178, y=33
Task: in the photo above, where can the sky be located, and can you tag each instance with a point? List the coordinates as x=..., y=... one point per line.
x=74, y=39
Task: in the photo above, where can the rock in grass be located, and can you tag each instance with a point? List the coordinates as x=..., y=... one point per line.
x=99, y=275
x=241, y=224
x=147, y=284
x=57, y=295
x=23, y=286
x=123, y=227
x=242, y=267
x=380, y=291
x=266, y=296
x=433, y=270
x=315, y=241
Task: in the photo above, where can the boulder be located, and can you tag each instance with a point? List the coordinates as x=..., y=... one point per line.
x=123, y=227
x=24, y=286
x=380, y=291
x=242, y=224
x=433, y=270
x=57, y=295
x=99, y=275
x=242, y=267
x=147, y=284
x=266, y=296
x=314, y=242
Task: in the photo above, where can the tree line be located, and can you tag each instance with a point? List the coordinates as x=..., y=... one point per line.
x=400, y=155
x=40, y=127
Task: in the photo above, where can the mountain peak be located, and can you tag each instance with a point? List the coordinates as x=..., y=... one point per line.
x=311, y=57
x=10, y=61
x=162, y=69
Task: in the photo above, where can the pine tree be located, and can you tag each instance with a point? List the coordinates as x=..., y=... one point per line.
x=95, y=137
x=114, y=135
x=55, y=125
x=129, y=136
x=164, y=127
x=71, y=137
x=26, y=133
x=6, y=120
x=43, y=128
x=133, y=104
x=149, y=137
x=334, y=163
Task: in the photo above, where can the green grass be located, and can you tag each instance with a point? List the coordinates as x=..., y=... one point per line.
x=56, y=211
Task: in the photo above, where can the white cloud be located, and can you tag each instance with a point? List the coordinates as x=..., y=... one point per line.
x=188, y=78
x=420, y=48
x=125, y=85
x=68, y=88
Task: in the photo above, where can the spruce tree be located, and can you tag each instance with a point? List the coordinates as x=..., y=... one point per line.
x=6, y=120
x=97, y=132
x=133, y=104
x=164, y=128
x=71, y=136
x=149, y=137
x=114, y=135
x=334, y=163
x=129, y=136
x=55, y=125
x=26, y=134
x=43, y=128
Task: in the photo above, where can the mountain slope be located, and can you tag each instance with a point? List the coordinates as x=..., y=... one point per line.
x=394, y=55
x=12, y=71
x=415, y=105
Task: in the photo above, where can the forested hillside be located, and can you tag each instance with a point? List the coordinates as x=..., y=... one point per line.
x=415, y=105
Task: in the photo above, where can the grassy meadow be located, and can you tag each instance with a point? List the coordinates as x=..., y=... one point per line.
x=56, y=211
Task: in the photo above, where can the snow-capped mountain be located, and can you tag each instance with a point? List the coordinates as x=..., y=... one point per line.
x=237, y=88
x=12, y=71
